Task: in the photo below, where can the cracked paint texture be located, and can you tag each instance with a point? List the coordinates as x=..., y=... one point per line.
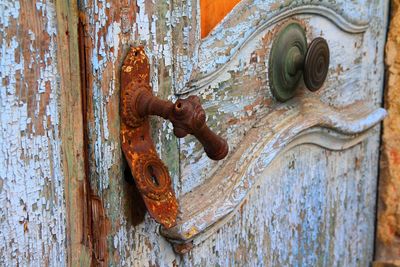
x=312, y=206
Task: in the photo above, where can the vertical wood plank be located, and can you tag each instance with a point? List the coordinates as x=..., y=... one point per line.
x=33, y=213
x=72, y=134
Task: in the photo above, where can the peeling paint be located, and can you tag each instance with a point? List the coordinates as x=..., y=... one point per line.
x=32, y=196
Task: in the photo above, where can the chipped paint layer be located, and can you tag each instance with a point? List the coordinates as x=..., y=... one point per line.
x=304, y=213
x=240, y=95
x=32, y=218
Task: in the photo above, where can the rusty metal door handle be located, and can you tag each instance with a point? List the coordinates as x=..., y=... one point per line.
x=187, y=117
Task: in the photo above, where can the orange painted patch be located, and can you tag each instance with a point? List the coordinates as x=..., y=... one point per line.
x=395, y=156
x=212, y=12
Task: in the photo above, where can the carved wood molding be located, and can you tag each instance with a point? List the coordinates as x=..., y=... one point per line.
x=217, y=51
x=304, y=120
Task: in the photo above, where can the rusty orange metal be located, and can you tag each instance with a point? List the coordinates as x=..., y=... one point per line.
x=150, y=174
x=187, y=117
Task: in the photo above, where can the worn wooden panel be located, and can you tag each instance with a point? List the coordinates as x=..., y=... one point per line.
x=356, y=74
x=308, y=210
x=33, y=213
x=388, y=229
x=250, y=18
x=237, y=91
x=309, y=202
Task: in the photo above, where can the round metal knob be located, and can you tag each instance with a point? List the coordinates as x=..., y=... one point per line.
x=316, y=64
x=290, y=59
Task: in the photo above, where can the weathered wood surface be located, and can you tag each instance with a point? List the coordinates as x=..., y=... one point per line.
x=76, y=190
x=249, y=19
x=388, y=224
x=307, y=211
x=327, y=213
x=33, y=208
x=42, y=177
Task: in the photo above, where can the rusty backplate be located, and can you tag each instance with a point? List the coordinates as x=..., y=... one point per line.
x=150, y=174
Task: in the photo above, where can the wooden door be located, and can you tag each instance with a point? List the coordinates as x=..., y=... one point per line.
x=298, y=187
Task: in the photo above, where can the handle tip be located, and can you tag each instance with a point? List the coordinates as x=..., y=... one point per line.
x=217, y=153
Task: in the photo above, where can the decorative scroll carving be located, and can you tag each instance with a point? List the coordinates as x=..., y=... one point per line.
x=301, y=120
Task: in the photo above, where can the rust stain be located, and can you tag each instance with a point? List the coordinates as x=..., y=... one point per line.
x=100, y=227
x=26, y=229
x=183, y=248
x=395, y=156
x=192, y=232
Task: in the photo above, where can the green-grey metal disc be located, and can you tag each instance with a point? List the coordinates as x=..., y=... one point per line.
x=286, y=61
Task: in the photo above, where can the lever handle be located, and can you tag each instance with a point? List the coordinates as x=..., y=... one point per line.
x=187, y=116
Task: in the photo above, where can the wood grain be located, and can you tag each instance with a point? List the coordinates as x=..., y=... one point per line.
x=240, y=29
x=109, y=29
x=72, y=134
x=307, y=209
x=311, y=207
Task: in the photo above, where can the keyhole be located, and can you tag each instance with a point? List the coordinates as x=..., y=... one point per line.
x=153, y=175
